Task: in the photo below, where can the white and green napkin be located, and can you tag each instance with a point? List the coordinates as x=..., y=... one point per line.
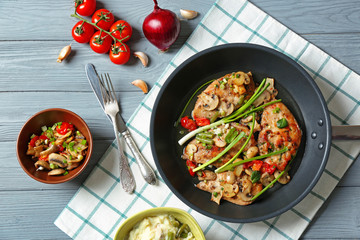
x=100, y=205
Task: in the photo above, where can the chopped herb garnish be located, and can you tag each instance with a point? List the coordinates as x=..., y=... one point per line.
x=255, y=176
x=71, y=145
x=66, y=173
x=276, y=110
x=282, y=123
x=215, y=194
x=83, y=142
x=44, y=128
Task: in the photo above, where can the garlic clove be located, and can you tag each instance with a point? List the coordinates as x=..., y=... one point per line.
x=64, y=53
x=143, y=58
x=140, y=84
x=188, y=14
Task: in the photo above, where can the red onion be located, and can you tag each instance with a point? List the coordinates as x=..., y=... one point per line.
x=161, y=27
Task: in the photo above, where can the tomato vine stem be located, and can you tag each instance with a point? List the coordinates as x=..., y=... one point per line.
x=97, y=27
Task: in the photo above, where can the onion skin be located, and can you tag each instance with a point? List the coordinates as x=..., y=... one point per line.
x=161, y=27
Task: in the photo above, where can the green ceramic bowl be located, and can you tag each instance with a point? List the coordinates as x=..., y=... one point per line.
x=179, y=214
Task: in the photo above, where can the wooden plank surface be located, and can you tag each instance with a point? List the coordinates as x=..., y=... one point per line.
x=33, y=32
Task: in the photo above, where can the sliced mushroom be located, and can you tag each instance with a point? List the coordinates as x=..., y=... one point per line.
x=37, y=150
x=284, y=179
x=237, y=78
x=266, y=179
x=252, y=151
x=57, y=171
x=245, y=184
x=41, y=164
x=78, y=159
x=30, y=150
x=248, y=171
x=238, y=170
x=230, y=190
x=51, y=149
x=58, y=160
x=190, y=149
x=61, y=138
x=226, y=108
x=72, y=165
x=209, y=176
x=257, y=127
x=227, y=177
x=247, y=119
x=210, y=101
x=77, y=149
x=263, y=98
x=245, y=196
x=219, y=142
x=271, y=89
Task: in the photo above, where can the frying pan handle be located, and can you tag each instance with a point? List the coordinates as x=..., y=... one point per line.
x=346, y=132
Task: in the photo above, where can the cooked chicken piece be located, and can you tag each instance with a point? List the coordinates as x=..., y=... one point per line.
x=224, y=95
x=240, y=192
x=279, y=129
x=198, y=153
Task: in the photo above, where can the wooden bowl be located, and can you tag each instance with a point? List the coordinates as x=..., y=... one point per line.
x=48, y=117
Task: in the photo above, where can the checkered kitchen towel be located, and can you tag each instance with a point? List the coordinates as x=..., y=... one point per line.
x=101, y=205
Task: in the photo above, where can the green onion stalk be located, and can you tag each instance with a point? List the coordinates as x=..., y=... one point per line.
x=241, y=135
x=231, y=166
x=187, y=104
x=274, y=181
x=241, y=149
x=234, y=116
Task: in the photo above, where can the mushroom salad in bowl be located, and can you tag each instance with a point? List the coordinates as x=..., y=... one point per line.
x=58, y=149
x=54, y=146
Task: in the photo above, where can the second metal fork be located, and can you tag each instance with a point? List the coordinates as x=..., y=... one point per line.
x=111, y=108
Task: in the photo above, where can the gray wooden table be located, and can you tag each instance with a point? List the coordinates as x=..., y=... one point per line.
x=31, y=36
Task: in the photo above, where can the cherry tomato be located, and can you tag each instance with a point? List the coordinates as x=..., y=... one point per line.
x=190, y=166
x=257, y=165
x=103, y=18
x=33, y=140
x=43, y=137
x=248, y=164
x=82, y=32
x=268, y=168
x=119, y=53
x=85, y=7
x=64, y=128
x=100, y=44
x=121, y=29
x=202, y=121
x=188, y=123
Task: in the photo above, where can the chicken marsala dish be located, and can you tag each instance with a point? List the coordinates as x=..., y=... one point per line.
x=241, y=139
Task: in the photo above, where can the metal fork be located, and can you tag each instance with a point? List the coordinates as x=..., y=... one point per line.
x=111, y=108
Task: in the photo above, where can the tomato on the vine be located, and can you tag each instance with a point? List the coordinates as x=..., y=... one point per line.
x=100, y=44
x=103, y=18
x=85, y=7
x=119, y=53
x=121, y=30
x=82, y=32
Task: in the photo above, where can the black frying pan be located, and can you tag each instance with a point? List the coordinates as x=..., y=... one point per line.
x=297, y=90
